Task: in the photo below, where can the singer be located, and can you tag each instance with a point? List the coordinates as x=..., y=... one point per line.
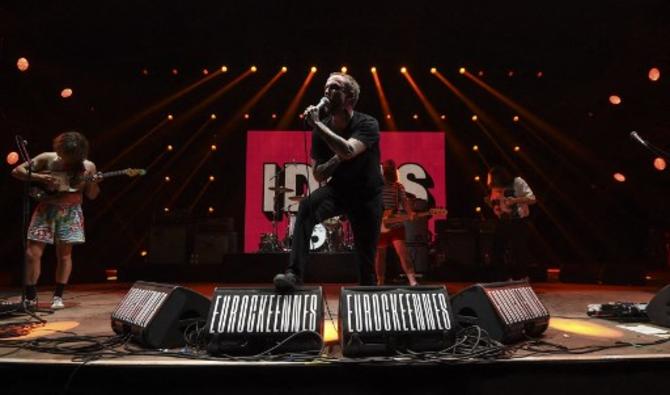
x=345, y=148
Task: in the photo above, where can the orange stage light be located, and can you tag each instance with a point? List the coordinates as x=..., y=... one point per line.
x=12, y=158
x=614, y=99
x=659, y=164
x=22, y=64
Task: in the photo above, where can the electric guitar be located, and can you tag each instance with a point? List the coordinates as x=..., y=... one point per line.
x=66, y=182
x=499, y=202
x=391, y=221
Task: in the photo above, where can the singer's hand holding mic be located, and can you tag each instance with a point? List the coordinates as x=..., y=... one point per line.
x=312, y=114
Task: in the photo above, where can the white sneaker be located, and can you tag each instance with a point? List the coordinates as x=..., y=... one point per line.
x=57, y=303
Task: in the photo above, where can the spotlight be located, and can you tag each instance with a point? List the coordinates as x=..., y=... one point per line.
x=659, y=163
x=477, y=178
x=388, y=116
x=170, y=117
x=480, y=73
x=619, y=177
x=212, y=117
x=614, y=99
x=403, y=70
x=313, y=69
x=433, y=70
x=415, y=116
x=443, y=116
x=461, y=70
x=211, y=178
x=284, y=69
x=539, y=74
x=167, y=179
x=175, y=71
x=475, y=148
x=478, y=209
x=170, y=148
x=373, y=69
x=210, y=209
x=253, y=69
x=517, y=148
x=224, y=69
x=274, y=116
x=515, y=118
x=474, y=118
x=66, y=93
x=144, y=253
x=301, y=116
x=654, y=74
x=205, y=71
x=246, y=116
x=213, y=147
x=344, y=69
x=22, y=64
x=12, y=158
x=167, y=210
x=510, y=73
x=145, y=71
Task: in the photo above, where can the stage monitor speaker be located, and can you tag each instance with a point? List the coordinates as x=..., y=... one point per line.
x=508, y=311
x=385, y=320
x=156, y=315
x=247, y=321
x=658, y=309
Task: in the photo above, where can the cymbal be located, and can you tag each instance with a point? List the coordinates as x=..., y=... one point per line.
x=296, y=198
x=281, y=189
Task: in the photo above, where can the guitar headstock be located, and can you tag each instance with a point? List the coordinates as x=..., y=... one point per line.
x=135, y=172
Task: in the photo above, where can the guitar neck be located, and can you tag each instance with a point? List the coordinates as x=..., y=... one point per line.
x=405, y=217
x=108, y=174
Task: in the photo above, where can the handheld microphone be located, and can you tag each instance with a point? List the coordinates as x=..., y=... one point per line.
x=639, y=139
x=324, y=104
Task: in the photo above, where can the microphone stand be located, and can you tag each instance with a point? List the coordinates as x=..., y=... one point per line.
x=654, y=149
x=25, y=156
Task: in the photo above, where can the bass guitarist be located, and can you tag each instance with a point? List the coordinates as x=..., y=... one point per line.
x=394, y=197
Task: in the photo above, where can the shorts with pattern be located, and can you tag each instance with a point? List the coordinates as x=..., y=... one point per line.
x=53, y=222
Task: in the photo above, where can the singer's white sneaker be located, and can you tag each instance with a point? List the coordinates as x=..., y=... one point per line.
x=57, y=303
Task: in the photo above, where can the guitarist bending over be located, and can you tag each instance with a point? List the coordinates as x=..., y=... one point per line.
x=394, y=196
x=509, y=197
x=58, y=218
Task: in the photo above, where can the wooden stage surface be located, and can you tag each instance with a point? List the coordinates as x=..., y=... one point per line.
x=88, y=310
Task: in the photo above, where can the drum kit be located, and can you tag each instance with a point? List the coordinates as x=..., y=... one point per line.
x=332, y=235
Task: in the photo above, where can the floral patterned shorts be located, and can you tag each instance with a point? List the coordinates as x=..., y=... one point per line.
x=57, y=222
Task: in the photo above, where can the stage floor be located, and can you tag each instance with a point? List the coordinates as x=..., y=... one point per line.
x=88, y=310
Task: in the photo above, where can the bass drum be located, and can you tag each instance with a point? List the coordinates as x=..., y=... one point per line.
x=318, y=238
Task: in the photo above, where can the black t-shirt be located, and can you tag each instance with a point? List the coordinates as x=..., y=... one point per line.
x=360, y=175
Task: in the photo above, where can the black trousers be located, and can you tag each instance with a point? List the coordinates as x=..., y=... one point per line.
x=364, y=214
x=510, y=248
